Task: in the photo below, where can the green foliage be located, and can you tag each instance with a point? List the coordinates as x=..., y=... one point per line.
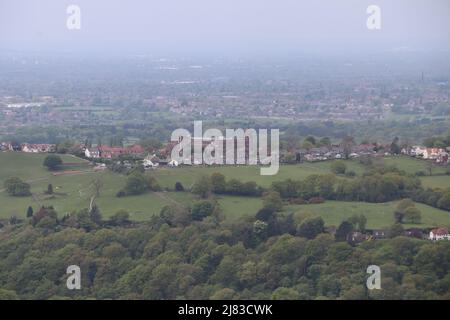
x=202, y=209
x=16, y=187
x=49, y=189
x=283, y=293
x=412, y=215
x=120, y=218
x=338, y=167
x=8, y=295
x=218, y=183
x=150, y=144
x=179, y=186
x=406, y=211
x=175, y=216
x=359, y=222
x=30, y=212
x=202, y=260
x=272, y=201
x=444, y=201
x=311, y=227
x=202, y=187
x=343, y=230
x=396, y=230
x=265, y=214
x=46, y=217
x=138, y=183
x=52, y=162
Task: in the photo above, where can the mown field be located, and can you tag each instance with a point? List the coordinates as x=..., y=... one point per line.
x=72, y=191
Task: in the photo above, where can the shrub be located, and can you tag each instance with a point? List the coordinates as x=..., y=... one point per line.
x=338, y=167
x=201, y=210
x=179, y=186
x=316, y=200
x=298, y=201
x=52, y=162
x=121, y=193
x=17, y=188
x=350, y=174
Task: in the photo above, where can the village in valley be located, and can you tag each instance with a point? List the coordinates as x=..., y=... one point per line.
x=162, y=155
x=110, y=158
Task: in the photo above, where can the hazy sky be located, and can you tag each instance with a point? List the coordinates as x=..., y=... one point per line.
x=223, y=26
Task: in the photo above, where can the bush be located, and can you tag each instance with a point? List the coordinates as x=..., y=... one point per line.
x=273, y=201
x=179, y=186
x=16, y=187
x=201, y=210
x=121, y=217
x=338, y=167
x=316, y=200
x=350, y=174
x=202, y=187
x=121, y=193
x=412, y=215
x=311, y=227
x=265, y=214
x=298, y=201
x=138, y=183
x=52, y=162
x=420, y=173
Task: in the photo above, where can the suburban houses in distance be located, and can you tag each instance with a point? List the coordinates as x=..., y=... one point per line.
x=440, y=155
x=323, y=153
x=28, y=147
x=105, y=152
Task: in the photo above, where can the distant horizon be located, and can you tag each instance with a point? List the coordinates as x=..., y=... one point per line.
x=230, y=28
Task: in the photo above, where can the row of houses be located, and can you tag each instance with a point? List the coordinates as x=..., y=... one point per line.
x=440, y=155
x=106, y=152
x=152, y=161
x=436, y=234
x=337, y=152
x=28, y=147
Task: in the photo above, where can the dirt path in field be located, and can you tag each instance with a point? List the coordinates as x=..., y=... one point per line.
x=71, y=172
x=161, y=195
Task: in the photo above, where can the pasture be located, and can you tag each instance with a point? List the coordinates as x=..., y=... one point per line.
x=72, y=191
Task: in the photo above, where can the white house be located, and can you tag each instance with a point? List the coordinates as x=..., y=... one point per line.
x=150, y=161
x=36, y=148
x=417, y=151
x=439, y=234
x=93, y=153
x=431, y=153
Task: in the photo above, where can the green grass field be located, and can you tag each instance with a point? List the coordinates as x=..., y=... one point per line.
x=72, y=191
x=413, y=165
x=187, y=175
x=28, y=166
x=379, y=215
x=436, y=181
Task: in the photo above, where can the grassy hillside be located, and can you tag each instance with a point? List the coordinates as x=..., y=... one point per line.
x=72, y=191
x=379, y=215
x=28, y=166
x=187, y=175
x=436, y=181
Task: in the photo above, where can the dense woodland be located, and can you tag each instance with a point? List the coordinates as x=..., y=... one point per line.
x=182, y=254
